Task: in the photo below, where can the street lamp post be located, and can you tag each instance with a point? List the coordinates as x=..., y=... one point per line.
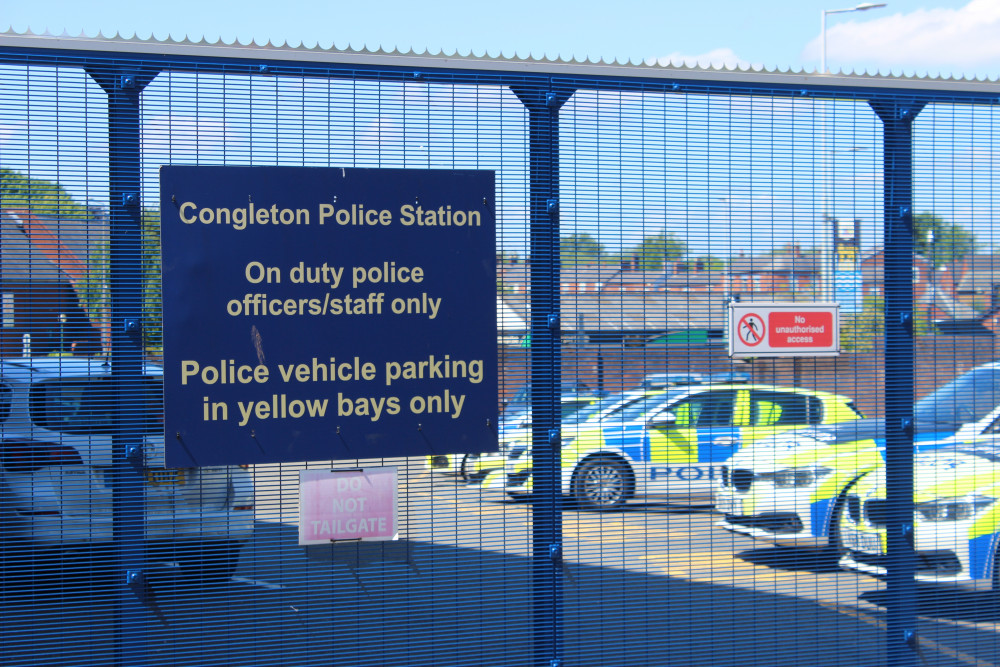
x=863, y=7
x=826, y=259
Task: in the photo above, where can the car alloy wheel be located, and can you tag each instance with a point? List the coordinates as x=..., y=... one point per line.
x=601, y=483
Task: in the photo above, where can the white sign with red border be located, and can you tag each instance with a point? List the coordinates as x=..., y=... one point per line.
x=356, y=504
x=783, y=329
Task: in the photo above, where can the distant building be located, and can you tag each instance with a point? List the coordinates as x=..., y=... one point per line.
x=42, y=265
x=788, y=271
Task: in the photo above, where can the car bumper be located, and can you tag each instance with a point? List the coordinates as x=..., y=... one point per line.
x=484, y=465
x=944, y=554
x=57, y=531
x=443, y=463
x=933, y=567
x=772, y=515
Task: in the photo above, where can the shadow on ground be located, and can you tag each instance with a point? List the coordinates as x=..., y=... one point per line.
x=948, y=602
x=817, y=561
x=416, y=603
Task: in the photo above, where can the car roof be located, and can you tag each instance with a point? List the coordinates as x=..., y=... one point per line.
x=760, y=387
x=29, y=369
x=987, y=447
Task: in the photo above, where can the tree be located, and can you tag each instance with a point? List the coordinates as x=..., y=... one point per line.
x=656, y=250
x=94, y=290
x=43, y=198
x=863, y=331
x=704, y=263
x=939, y=241
x=578, y=249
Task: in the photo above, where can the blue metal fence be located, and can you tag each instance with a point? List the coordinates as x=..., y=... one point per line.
x=609, y=152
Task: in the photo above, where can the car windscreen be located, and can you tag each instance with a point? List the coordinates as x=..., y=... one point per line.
x=964, y=400
x=570, y=408
x=595, y=408
x=87, y=406
x=639, y=408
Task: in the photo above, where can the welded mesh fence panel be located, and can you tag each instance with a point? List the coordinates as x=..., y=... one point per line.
x=656, y=499
x=691, y=202
x=452, y=589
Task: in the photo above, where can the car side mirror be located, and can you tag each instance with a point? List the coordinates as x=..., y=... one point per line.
x=663, y=420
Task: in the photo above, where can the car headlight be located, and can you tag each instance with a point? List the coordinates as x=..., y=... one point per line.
x=791, y=478
x=954, y=509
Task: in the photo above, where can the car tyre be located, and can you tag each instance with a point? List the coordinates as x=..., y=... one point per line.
x=601, y=483
x=468, y=466
x=834, y=543
x=213, y=563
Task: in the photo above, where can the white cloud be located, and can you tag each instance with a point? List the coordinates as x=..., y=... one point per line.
x=165, y=134
x=10, y=130
x=944, y=41
x=723, y=57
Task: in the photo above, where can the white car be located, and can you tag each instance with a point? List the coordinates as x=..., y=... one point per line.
x=956, y=518
x=791, y=489
x=480, y=467
x=56, y=420
x=513, y=426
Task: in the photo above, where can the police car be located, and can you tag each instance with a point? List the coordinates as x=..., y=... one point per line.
x=56, y=421
x=512, y=426
x=673, y=443
x=606, y=408
x=956, y=522
x=791, y=488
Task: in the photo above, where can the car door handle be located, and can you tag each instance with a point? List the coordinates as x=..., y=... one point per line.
x=725, y=442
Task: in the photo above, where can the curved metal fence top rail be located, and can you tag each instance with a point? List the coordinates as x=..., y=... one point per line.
x=263, y=57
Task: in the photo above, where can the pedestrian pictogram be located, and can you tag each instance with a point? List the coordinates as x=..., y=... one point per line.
x=751, y=329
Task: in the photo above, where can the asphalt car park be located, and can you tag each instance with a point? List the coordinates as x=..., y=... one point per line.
x=662, y=567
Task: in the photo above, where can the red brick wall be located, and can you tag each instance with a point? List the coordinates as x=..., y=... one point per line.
x=938, y=360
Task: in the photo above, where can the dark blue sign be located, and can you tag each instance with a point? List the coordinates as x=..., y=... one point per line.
x=320, y=313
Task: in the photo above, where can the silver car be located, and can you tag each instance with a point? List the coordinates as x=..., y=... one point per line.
x=56, y=419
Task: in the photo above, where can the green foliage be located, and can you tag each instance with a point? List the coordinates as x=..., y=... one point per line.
x=705, y=263
x=656, y=250
x=577, y=249
x=862, y=332
x=94, y=288
x=152, y=294
x=44, y=198
x=939, y=241
x=95, y=292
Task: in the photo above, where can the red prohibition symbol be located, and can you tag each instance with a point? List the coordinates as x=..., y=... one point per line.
x=751, y=330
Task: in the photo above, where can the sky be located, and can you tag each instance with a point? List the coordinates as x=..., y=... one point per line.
x=935, y=37
x=718, y=205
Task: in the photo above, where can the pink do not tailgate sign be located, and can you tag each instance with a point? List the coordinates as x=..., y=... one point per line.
x=347, y=505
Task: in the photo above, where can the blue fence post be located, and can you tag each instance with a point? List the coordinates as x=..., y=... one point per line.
x=123, y=88
x=897, y=120
x=543, y=104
